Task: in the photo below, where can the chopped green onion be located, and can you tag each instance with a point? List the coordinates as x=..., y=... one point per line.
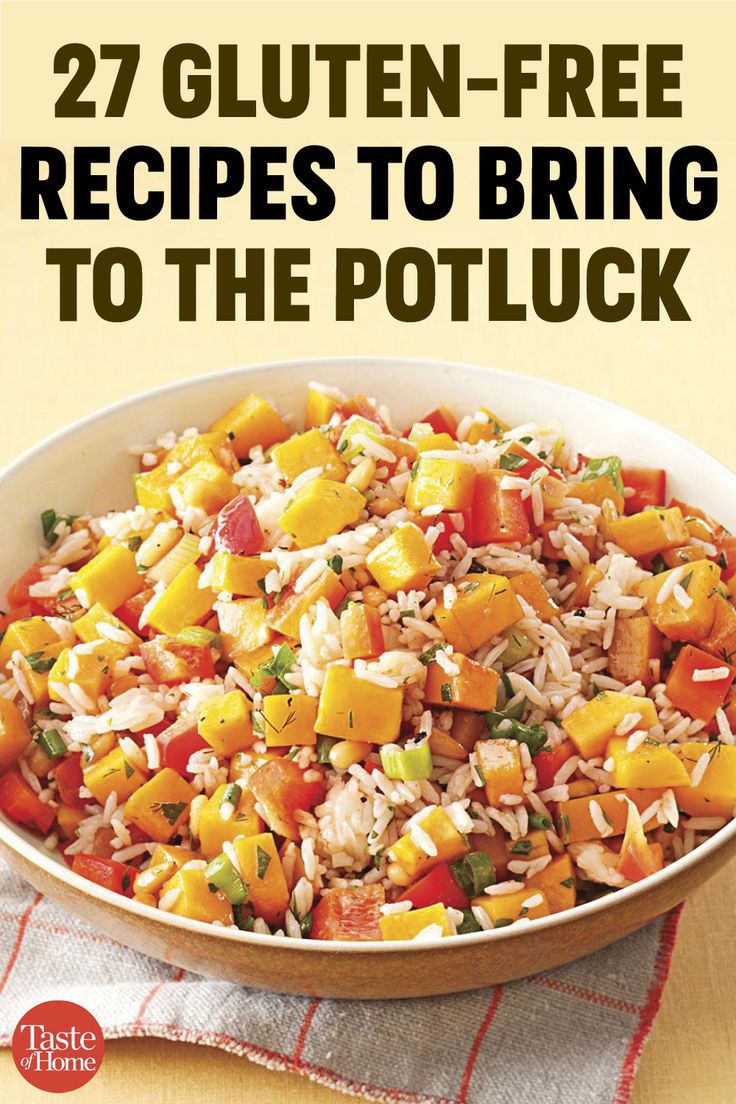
x=409, y=764
x=502, y=727
x=474, y=872
x=503, y=922
x=539, y=820
x=243, y=919
x=659, y=564
x=521, y=847
x=305, y=925
x=183, y=554
x=335, y=562
x=51, y=742
x=221, y=874
x=519, y=647
x=469, y=923
x=324, y=746
x=232, y=794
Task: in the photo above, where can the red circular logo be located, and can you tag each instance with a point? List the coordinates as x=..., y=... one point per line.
x=58, y=1046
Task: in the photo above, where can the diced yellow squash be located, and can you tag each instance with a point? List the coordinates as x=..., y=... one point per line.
x=214, y=830
x=89, y=669
x=590, y=726
x=361, y=631
x=165, y=861
x=110, y=578
x=527, y=902
x=320, y=509
x=225, y=722
x=289, y=719
x=648, y=766
x=500, y=764
x=237, y=574
x=534, y=845
x=715, y=795
x=475, y=687
x=650, y=531
x=596, y=491
x=434, y=441
x=533, y=591
x=321, y=405
x=408, y=925
x=211, y=447
x=206, y=487
x=195, y=899
x=34, y=669
x=26, y=636
x=487, y=430
x=694, y=622
x=285, y=616
x=87, y=627
x=635, y=649
x=243, y=626
x=485, y=606
x=721, y=640
x=351, y=708
x=113, y=773
x=450, y=844
x=161, y=805
x=152, y=489
x=585, y=580
x=403, y=561
x=181, y=604
x=440, y=482
x=575, y=822
x=251, y=422
x=249, y=662
x=557, y=883
x=312, y=449
x=14, y=734
x=263, y=874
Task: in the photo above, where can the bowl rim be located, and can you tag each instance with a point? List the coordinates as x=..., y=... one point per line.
x=52, y=867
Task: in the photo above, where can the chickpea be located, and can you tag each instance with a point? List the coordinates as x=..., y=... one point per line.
x=397, y=874
x=362, y=474
x=361, y=576
x=347, y=752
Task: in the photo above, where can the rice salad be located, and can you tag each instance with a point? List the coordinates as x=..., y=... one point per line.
x=358, y=682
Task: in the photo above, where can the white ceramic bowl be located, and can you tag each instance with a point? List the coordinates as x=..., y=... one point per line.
x=86, y=468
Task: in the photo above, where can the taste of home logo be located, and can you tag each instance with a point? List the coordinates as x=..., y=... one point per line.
x=58, y=1046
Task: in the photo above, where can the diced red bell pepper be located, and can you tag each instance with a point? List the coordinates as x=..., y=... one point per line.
x=169, y=661
x=130, y=612
x=68, y=775
x=18, y=591
x=178, y=743
x=106, y=872
x=532, y=462
x=648, y=485
x=436, y=887
x=349, y=914
x=549, y=762
x=281, y=789
x=370, y=766
x=442, y=420
x=20, y=613
x=21, y=803
x=726, y=557
x=237, y=530
x=699, y=699
x=497, y=515
x=444, y=540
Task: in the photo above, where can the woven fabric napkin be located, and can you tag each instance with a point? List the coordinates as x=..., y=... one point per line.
x=572, y=1035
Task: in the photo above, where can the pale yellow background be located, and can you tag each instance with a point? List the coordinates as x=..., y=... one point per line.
x=679, y=374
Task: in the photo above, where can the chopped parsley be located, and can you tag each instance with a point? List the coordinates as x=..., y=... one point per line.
x=170, y=810
x=446, y=692
x=276, y=668
x=510, y=461
x=521, y=847
x=40, y=663
x=50, y=519
x=568, y=883
x=503, y=922
x=430, y=654
x=263, y=861
x=609, y=466
x=685, y=583
x=335, y=562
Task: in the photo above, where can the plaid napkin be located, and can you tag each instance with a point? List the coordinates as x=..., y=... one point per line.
x=574, y=1035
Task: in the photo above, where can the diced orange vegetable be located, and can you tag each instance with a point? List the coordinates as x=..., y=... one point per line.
x=225, y=722
x=237, y=574
x=531, y=589
x=685, y=689
x=350, y=914
x=403, y=561
x=244, y=626
x=590, y=726
x=361, y=631
x=320, y=407
x=637, y=858
x=281, y=789
x=442, y=420
x=650, y=765
x=557, y=883
x=449, y=843
x=485, y=606
x=408, y=925
x=160, y=806
x=182, y=603
x=114, y=772
x=285, y=616
x=351, y=708
x=721, y=640
x=320, y=509
x=691, y=622
x=289, y=719
x=312, y=449
x=527, y=902
x=636, y=651
x=575, y=823
x=263, y=874
x=500, y=764
x=14, y=734
x=715, y=794
x=588, y=577
x=110, y=578
x=251, y=422
x=498, y=514
x=26, y=637
x=649, y=532
x=195, y=900
x=214, y=830
x=439, y=482
x=596, y=491
x=475, y=687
